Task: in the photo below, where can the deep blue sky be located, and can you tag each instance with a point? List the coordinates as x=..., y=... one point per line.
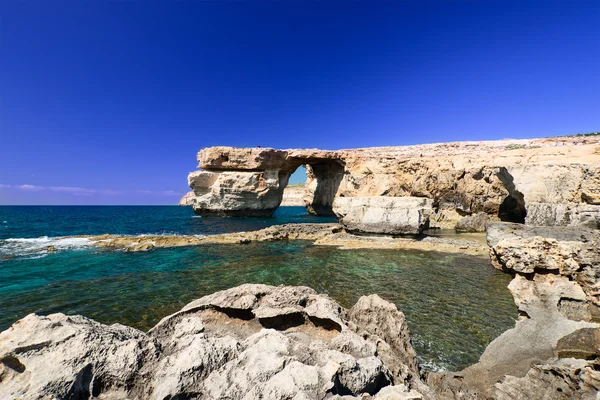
x=108, y=102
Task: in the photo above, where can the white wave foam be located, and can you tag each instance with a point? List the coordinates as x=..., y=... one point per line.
x=28, y=246
x=431, y=366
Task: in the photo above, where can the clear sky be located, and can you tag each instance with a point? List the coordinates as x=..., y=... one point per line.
x=108, y=102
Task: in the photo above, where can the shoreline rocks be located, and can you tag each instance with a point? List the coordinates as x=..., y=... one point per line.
x=250, y=342
x=385, y=215
x=258, y=341
x=320, y=234
x=552, y=352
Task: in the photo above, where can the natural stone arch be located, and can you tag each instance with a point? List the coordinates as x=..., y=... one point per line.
x=250, y=182
x=323, y=180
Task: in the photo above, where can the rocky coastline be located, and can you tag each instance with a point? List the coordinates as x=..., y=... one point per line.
x=320, y=234
x=258, y=341
x=462, y=185
x=538, y=202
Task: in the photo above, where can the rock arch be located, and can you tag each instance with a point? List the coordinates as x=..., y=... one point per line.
x=250, y=182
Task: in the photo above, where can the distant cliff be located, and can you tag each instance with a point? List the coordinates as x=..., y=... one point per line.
x=293, y=195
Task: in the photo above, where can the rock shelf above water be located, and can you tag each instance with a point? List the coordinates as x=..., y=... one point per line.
x=318, y=233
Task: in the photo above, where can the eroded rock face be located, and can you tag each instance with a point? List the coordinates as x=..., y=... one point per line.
x=552, y=352
x=61, y=356
x=550, y=182
x=380, y=214
x=249, y=342
x=237, y=193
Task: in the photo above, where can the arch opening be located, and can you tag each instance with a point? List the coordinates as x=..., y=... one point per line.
x=323, y=178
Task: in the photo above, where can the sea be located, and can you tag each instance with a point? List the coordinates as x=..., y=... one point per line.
x=455, y=304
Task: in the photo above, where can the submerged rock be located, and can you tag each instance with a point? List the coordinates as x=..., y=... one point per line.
x=249, y=342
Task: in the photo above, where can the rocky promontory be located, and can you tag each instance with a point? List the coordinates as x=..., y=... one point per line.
x=553, y=181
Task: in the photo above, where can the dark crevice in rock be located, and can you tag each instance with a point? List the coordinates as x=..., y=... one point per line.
x=33, y=347
x=80, y=390
x=523, y=314
x=13, y=363
x=325, y=323
x=96, y=386
x=513, y=209
x=238, y=313
x=283, y=322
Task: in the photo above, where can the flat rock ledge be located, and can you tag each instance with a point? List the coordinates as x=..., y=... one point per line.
x=249, y=342
x=320, y=234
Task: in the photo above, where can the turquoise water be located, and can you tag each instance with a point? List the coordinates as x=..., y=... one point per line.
x=455, y=305
x=36, y=221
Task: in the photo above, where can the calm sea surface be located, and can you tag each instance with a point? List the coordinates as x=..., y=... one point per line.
x=455, y=304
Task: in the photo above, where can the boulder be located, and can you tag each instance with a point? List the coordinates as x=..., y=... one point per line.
x=473, y=223
x=61, y=356
x=563, y=214
x=249, y=342
x=387, y=215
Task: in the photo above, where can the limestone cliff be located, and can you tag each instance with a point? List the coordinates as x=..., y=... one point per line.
x=554, y=181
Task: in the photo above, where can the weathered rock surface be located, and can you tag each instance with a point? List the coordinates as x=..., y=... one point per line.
x=188, y=199
x=321, y=234
x=61, y=356
x=249, y=342
x=381, y=214
x=552, y=352
x=473, y=223
x=553, y=181
x=237, y=193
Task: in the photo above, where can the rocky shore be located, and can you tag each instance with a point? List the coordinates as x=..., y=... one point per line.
x=258, y=341
x=249, y=342
x=322, y=234
x=537, y=200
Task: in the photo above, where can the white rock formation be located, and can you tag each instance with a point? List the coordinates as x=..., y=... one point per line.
x=380, y=214
x=249, y=342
